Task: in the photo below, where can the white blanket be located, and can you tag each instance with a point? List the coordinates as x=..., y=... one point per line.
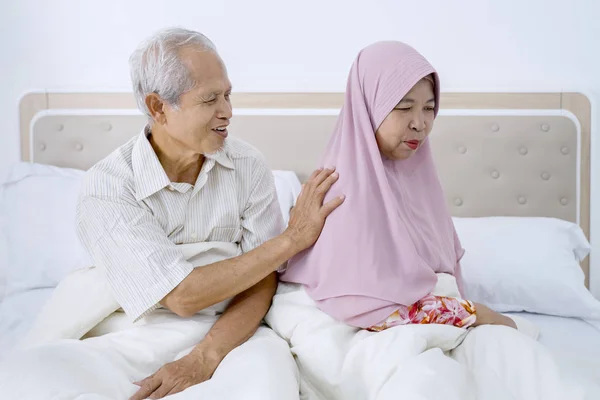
x=417, y=362
x=53, y=364
x=83, y=300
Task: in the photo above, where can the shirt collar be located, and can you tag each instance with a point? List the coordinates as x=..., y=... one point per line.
x=222, y=156
x=150, y=176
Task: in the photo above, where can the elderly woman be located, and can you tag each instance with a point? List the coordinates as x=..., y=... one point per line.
x=390, y=257
x=376, y=262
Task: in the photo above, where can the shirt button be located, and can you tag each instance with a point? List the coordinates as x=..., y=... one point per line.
x=194, y=236
x=171, y=188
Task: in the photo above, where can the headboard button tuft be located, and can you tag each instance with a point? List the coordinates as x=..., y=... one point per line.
x=523, y=151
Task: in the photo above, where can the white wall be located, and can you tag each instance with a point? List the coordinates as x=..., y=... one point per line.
x=476, y=45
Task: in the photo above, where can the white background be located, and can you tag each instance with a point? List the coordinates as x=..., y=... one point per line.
x=476, y=45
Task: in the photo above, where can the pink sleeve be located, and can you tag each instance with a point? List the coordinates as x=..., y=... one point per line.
x=460, y=252
x=459, y=280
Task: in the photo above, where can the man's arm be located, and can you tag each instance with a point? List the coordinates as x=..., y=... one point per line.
x=239, y=321
x=237, y=324
x=261, y=221
x=216, y=282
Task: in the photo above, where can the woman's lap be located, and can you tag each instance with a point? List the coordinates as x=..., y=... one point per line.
x=432, y=309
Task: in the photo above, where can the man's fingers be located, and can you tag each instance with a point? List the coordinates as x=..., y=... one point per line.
x=161, y=392
x=148, y=386
x=310, y=182
x=327, y=183
x=314, y=174
x=323, y=175
x=332, y=205
x=314, y=181
x=301, y=194
x=141, y=381
x=176, y=389
x=146, y=379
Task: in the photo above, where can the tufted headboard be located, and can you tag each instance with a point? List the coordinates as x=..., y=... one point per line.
x=517, y=154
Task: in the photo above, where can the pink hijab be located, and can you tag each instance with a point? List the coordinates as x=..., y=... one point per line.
x=383, y=247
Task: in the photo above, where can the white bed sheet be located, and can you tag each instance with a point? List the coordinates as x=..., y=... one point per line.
x=574, y=342
x=17, y=314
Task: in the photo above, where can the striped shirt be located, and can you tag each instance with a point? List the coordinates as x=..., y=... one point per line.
x=130, y=216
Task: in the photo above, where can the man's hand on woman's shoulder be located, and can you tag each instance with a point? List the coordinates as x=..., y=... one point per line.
x=307, y=218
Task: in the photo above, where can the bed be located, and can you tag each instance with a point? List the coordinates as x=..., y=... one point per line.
x=17, y=314
x=519, y=155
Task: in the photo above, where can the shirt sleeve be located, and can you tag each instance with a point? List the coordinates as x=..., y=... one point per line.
x=262, y=219
x=142, y=265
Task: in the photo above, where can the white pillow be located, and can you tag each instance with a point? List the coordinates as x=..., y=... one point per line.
x=37, y=213
x=37, y=219
x=288, y=188
x=3, y=259
x=526, y=264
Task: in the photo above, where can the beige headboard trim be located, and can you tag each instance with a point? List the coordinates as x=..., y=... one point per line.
x=577, y=103
x=33, y=104
x=581, y=107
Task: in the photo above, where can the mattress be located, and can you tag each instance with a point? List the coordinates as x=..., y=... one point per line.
x=574, y=342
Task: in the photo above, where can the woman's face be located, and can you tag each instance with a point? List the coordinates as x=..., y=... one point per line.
x=401, y=133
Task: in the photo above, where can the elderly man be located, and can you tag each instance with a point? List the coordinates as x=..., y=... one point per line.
x=181, y=181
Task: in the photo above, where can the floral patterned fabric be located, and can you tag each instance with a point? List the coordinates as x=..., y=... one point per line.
x=432, y=310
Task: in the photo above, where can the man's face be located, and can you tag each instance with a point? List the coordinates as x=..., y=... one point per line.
x=199, y=122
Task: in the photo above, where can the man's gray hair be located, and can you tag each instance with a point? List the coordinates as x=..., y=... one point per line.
x=155, y=66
